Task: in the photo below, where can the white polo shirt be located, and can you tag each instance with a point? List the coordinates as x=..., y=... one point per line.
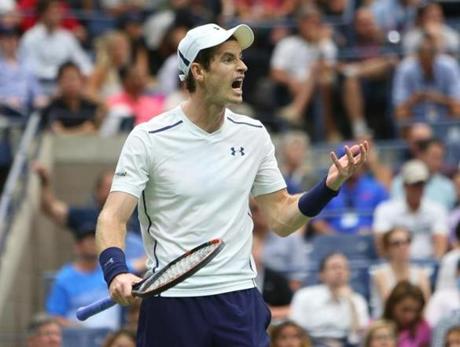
x=428, y=220
x=194, y=186
x=315, y=310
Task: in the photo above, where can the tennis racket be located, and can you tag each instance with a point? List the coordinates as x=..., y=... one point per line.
x=173, y=273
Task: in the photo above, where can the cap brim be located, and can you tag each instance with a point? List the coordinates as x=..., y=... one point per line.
x=414, y=183
x=243, y=34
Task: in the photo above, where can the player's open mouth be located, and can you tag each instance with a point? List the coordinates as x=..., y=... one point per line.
x=237, y=84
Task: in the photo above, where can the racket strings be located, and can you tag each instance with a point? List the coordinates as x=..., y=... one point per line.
x=184, y=265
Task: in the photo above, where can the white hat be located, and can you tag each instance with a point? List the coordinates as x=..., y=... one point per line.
x=206, y=36
x=414, y=171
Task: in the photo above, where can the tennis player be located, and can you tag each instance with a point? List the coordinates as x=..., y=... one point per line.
x=192, y=171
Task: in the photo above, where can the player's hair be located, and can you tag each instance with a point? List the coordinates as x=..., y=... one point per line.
x=324, y=261
x=65, y=66
x=203, y=58
x=377, y=325
x=400, y=292
x=39, y=320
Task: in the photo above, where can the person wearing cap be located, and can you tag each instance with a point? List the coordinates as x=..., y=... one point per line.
x=439, y=187
x=425, y=219
x=192, y=169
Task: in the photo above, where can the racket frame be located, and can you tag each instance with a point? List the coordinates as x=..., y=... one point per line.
x=137, y=288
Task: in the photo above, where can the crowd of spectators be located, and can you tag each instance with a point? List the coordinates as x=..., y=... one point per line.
x=320, y=71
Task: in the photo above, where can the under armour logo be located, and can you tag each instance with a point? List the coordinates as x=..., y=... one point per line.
x=109, y=262
x=234, y=151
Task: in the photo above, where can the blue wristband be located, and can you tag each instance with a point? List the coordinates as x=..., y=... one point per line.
x=113, y=263
x=313, y=201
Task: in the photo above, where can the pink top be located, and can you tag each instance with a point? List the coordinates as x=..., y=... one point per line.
x=143, y=108
x=422, y=336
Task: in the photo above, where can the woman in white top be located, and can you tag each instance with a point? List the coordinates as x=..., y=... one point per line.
x=396, y=248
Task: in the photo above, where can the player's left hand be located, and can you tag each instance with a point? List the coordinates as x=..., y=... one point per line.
x=345, y=166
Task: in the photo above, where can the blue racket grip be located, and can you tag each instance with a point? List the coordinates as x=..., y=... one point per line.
x=85, y=312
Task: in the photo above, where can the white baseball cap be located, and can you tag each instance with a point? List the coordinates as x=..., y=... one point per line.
x=415, y=171
x=206, y=36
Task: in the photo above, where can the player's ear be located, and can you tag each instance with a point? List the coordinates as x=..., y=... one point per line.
x=197, y=71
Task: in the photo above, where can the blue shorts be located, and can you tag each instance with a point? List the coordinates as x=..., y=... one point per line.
x=235, y=319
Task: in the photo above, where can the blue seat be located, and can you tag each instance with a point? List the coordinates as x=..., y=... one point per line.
x=355, y=247
x=88, y=337
x=360, y=281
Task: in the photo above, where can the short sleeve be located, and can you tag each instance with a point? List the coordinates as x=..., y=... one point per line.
x=132, y=171
x=268, y=178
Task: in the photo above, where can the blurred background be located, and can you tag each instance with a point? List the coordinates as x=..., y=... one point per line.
x=378, y=267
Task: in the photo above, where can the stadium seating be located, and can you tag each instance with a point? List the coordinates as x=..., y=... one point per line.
x=355, y=247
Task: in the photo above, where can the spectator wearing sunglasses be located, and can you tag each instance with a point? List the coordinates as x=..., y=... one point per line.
x=396, y=245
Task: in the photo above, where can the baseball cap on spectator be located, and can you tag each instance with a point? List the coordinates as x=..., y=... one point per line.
x=83, y=233
x=86, y=228
x=414, y=171
x=206, y=36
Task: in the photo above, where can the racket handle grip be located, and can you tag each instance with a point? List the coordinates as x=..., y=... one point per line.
x=85, y=312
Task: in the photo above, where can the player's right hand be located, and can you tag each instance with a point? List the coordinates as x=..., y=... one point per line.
x=121, y=288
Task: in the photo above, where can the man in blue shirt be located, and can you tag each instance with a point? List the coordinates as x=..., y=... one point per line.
x=80, y=283
x=427, y=86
